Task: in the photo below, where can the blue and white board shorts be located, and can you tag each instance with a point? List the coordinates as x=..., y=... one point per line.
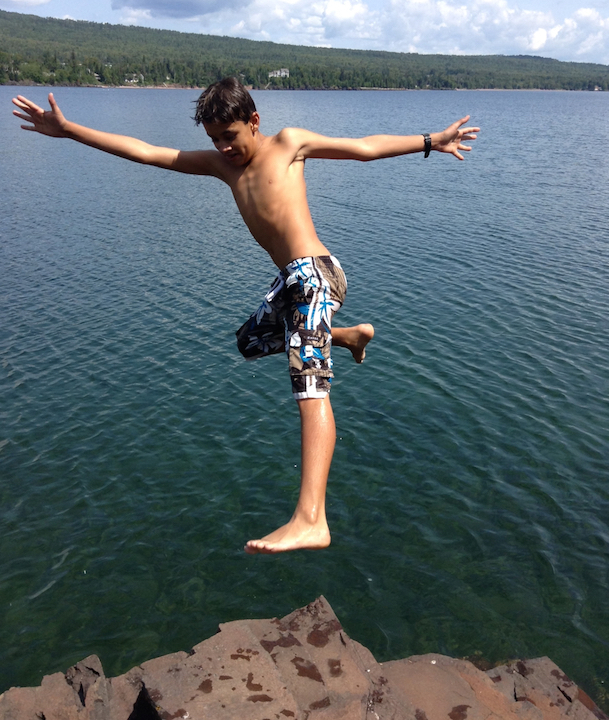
x=296, y=317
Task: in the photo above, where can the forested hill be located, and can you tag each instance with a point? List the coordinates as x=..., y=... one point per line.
x=69, y=52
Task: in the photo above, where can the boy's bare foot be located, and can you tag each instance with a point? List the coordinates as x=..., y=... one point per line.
x=354, y=339
x=294, y=535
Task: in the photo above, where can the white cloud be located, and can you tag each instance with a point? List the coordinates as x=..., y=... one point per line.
x=432, y=26
x=538, y=39
x=481, y=27
x=131, y=16
x=582, y=37
x=22, y=5
x=321, y=23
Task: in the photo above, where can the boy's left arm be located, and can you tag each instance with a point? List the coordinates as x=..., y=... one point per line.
x=375, y=147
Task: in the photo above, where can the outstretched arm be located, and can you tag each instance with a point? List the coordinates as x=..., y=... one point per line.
x=53, y=123
x=376, y=147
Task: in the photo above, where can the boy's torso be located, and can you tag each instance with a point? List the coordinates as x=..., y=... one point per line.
x=270, y=192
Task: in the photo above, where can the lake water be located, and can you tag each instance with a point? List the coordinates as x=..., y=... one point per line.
x=469, y=493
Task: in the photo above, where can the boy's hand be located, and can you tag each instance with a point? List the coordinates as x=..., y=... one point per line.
x=50, y=122
x=451, y=140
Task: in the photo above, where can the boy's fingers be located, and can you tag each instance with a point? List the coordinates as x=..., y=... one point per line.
x=25, y=103
x=30, y=109
x=21, y=116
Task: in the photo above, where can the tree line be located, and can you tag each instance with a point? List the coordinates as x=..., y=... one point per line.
x=69, y=52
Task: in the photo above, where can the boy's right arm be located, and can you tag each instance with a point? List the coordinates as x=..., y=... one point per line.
x=53, y=123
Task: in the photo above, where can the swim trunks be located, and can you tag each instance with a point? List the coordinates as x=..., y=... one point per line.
x=296, y=317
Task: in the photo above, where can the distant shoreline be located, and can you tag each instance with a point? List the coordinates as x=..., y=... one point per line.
x=276, y=89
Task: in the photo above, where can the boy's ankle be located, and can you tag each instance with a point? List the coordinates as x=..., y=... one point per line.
x=309, y=517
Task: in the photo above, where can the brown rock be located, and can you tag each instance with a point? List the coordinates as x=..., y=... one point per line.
x=19, y=704
x=301, y=667
x=226, y=676
x=439, y=687
x=55, y=699
x=543, y=684
x=313, y=659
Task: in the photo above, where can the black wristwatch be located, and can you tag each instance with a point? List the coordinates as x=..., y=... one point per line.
x=427, y=138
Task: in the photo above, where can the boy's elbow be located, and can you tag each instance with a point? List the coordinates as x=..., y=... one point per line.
x=152, y=156
x=367, y=152
x=147, y=156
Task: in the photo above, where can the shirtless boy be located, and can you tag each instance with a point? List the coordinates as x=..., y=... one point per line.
x=266, y=177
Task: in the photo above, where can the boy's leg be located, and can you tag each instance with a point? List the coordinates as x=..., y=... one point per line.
x=354, y=339
x=318, y=285
x=308, y=527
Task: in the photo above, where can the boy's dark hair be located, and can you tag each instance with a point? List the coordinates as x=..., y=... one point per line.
x=225, y=101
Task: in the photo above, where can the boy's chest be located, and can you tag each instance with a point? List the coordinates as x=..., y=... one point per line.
x=261, y=182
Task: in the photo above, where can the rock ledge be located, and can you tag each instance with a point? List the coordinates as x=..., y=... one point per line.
x=302, y=667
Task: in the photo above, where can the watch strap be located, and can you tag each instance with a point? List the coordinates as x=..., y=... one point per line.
x=427, y=138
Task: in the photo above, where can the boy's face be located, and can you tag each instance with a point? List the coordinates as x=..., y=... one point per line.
x=236, y=141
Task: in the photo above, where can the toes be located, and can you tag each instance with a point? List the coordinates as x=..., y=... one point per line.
x=255, y=547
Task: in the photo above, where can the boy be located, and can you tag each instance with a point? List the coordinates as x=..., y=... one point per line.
x=266, y=177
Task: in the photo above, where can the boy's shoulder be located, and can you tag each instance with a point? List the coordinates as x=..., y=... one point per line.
x=295, y=139
x=289, y=135
x=287, y=142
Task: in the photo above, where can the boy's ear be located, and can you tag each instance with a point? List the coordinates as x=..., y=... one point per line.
x=254, y=122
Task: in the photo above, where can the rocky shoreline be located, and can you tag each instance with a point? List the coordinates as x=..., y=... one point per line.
x=302, y=667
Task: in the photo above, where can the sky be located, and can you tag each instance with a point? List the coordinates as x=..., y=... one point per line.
x=572, y=30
